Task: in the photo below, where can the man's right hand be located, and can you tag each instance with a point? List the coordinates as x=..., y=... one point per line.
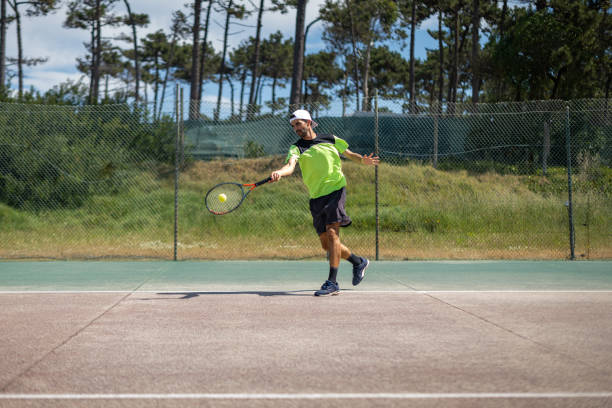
x=275, y=176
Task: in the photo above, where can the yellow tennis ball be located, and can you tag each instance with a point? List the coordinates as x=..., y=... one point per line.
x=222, y=197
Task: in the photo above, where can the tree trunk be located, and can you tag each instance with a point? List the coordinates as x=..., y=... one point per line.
x=456, y=58
x=3, y=27
x=222, y=68
x=95, y=74
x=156, y=83
x=501, y=89
x=411, y=83
x=166, y=74
x=354, y=43
x=454, y=80
x=204, y=53
x=93, y=63
x=451, y=66
x=273, y=95
x=441, y=53
x=242, y=86
x=475, y=50
x=346, y=79
x=194, y=93
x=305, y=42
x=366, y=106
x=231, y=84
x=556, y=81
x=15, y=6
x=255, y=61
x=298, y=55
x=19, y=51
x=502, y=19
x=540, y=5
x=136, y=62
x=260, y=85
x=98, y=52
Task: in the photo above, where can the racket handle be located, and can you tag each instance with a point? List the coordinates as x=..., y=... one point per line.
x=259, y=183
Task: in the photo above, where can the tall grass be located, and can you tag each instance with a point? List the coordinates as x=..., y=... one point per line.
x=423, y=213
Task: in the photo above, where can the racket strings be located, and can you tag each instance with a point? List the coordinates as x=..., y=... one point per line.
x=233, y=194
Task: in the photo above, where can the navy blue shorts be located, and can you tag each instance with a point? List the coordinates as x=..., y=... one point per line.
x=329, y=209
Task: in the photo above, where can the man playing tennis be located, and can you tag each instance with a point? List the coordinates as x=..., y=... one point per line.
x=319, y=159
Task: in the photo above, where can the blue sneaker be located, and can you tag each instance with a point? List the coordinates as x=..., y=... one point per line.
x=328, y=288
x=359, y=271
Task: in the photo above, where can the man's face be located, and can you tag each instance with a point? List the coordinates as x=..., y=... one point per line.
x=300, y=127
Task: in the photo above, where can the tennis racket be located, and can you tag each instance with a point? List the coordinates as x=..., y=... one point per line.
x=226, y=197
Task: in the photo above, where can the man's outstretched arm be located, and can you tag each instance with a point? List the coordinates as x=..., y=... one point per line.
x=369, y=160
x=284, y=171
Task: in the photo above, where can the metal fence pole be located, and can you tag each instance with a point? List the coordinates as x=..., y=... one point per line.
x=569, y=183
x=546, y=147
x=376, y=171
x=179, y=108
x=436, y=110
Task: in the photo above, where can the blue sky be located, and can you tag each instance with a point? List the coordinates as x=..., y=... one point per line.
x=46, y=37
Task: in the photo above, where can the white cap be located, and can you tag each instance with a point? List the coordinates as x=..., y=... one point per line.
x=304, y=115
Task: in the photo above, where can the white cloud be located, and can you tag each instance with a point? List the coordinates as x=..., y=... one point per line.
x=45, y=80
x=430, y=24
x=46, y=36
x=211, y=100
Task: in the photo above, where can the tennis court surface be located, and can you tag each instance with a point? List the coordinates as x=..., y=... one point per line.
x=250, y=334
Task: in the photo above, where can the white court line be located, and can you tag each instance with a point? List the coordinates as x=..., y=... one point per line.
x=254, y=291
x=298, y=396
x=480, y=291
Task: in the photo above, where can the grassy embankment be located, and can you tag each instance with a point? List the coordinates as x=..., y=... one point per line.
x=424, y=214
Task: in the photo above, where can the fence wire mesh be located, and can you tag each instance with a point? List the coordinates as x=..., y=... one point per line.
x=456, y=181
x=86, y=182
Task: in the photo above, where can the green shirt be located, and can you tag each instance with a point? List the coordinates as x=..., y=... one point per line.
x=320, y=163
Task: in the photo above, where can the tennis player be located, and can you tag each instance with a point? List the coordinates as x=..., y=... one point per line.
x=319, y=159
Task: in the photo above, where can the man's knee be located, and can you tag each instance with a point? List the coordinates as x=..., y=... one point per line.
x=332, y=230
x=333, y=235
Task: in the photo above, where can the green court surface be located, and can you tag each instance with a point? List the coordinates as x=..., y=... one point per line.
x=304, y=275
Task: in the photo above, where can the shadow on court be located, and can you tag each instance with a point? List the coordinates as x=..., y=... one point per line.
x=190, y=295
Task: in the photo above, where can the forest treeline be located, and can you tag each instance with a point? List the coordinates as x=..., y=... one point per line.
x=488, y=51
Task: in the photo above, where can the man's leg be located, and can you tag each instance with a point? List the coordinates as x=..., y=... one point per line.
x=344, y=251
x=330, y=244
x=330, y=241
x=334, y=246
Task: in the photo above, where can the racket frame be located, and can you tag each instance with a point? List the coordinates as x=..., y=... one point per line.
x=251, y=187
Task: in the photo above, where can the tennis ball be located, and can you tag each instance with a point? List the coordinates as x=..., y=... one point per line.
x=222, y=197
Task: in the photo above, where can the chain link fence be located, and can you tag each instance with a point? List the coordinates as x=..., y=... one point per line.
x=526, y=180
x=84, y=182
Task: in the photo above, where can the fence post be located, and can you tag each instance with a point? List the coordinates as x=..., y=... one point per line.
x=179, y=117
x=569, y=183
x=546, y=147
x=182, y=132
x=376, y=171
x=436, y=117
